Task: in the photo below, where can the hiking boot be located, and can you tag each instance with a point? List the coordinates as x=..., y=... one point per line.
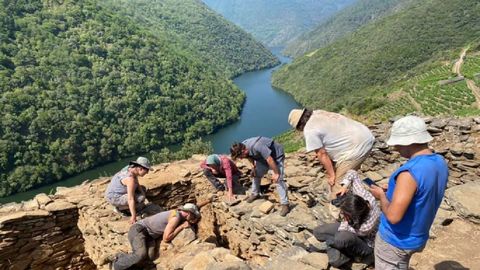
x=252, y=198
x=336, y=258
x=284, y=210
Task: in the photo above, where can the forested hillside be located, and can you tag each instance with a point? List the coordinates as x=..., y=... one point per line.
x=343, y=23
x=193, y=27
x=275, y=22
x=343, y=74
x=81, y=84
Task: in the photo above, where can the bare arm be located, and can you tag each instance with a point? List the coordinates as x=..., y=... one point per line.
x=402, y=197
x=173, y=228
x=130, y=183
x=203, y=203
x=273, y=166
x=324, y=158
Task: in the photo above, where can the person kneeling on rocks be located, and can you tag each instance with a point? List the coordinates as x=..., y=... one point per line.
x=124, y=191
x=223, y=167
x=142, y=235
x=354, y=236
x=264, y=154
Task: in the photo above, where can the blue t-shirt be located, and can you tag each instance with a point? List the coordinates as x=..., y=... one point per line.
x=431, y=174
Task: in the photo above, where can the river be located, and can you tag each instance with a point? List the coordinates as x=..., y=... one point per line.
x=265, y=113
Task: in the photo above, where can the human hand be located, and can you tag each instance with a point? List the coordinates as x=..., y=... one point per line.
x=275, y=177
x=377, y=191
x=212, y=197
x=331, y=180
x=185, y=225
x=384, y=187
x=342, y=191
x=133, y=219
x=229, y=197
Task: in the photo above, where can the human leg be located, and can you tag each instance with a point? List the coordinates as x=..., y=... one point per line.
x=326, y=232
x=281, y=186
x=260, y=170
x=390, y=257
x=351, y=245
x=137, y=237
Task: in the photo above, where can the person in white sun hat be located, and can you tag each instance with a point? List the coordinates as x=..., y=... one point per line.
x=414, y=194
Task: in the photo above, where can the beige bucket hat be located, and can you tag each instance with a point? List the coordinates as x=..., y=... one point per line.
x=294, y=117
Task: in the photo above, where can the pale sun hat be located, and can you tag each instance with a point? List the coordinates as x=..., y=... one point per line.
x=142, y=161
x=294, y=117
x=191, y=208
x=409, y=130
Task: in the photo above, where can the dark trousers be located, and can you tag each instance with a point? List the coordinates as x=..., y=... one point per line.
x=143, y=245
x=212, y=178
x=347, y=243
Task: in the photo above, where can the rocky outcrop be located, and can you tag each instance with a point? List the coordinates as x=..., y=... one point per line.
x=77, y=229
x=42, y=236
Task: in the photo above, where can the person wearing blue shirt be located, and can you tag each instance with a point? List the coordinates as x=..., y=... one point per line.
x=412, y=199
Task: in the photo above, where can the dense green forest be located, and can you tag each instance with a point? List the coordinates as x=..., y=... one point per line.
x=81, y=84
x=193, y=27
x=343, y=23
x=344, y=74
x=276, y=22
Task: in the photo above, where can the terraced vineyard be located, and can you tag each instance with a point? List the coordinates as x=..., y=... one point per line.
x=471, y=67
x=424, y=94
x=400, y=106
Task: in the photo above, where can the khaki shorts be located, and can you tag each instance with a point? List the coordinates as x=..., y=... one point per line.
x=341, y=169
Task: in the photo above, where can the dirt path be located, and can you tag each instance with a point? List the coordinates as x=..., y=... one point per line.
x=475, y=90
x=458, y=65
x=413, y=101
x=456, y=247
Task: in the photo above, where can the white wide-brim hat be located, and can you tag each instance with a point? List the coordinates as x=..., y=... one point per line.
x=409, y=130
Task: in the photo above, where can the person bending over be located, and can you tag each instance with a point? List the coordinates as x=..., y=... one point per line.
x=264, y=154
x=340, y=143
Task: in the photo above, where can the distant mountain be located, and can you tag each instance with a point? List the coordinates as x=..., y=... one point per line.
x=85, y=82
x=344, y=74
x=275, y=22
x=343, y=23
x=192, y=26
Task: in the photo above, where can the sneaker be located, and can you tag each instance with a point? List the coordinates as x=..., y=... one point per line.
x=252, y=198
x=284, y=210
